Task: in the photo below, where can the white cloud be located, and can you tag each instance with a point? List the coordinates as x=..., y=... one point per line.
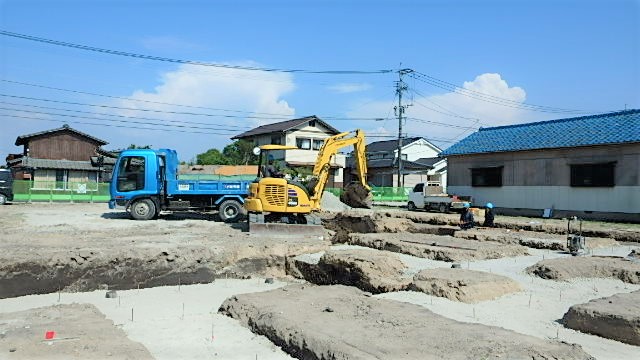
x=343, y=88
x=247, y=93
x=470, y=112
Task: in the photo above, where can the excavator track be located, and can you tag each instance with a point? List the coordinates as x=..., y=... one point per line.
x=270, y=225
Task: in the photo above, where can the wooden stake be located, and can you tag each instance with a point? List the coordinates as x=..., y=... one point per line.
x=131, y=314
x=530, y=295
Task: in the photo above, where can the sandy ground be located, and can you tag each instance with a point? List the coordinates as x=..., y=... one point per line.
x=36, y=230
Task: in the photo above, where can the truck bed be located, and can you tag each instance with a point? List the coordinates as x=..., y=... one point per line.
x=207, y=187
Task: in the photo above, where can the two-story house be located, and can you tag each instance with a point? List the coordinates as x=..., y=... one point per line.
x=420, y=163
x=58, y=159
x=308, y=135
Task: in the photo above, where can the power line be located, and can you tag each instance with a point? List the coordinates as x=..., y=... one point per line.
x=448, y=113
x=136, y=100
x=111, y=125
x=231, y=131
x=283, y=117
x=490, y=98
x=120, y=116
x=182, y=61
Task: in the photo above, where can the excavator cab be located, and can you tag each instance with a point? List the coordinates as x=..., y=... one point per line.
x=280, y=205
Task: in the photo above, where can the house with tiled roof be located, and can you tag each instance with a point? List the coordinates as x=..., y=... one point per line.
x=583, y=166
x=308, y=135
x=59, y=159
x=420, y=164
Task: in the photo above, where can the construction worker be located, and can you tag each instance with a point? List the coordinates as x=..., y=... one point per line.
x=466, y=217
x=271, y=170
x=488, y=215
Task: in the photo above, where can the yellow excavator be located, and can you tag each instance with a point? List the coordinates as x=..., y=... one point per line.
x=277, y=205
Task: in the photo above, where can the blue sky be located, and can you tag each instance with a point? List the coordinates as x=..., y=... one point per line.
x=575, y=55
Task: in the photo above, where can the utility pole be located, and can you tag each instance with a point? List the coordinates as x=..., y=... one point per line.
x=400, y=88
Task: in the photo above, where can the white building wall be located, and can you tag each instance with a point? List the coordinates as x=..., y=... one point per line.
x=625, y=199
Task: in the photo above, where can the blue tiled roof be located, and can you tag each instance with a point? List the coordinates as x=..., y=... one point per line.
x=610, y=128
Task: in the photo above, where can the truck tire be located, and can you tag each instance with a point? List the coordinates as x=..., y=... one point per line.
x=3, y=199
x=231, y=211
x=143, y=209
x=411, y=206
x=443, y=208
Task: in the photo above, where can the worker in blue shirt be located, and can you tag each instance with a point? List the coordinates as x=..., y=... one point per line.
x=466, y=217
x=488, y=215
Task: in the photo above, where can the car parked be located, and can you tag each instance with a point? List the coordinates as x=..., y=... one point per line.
x=6, y=186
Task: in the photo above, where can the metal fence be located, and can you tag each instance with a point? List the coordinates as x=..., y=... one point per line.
x=54, y=191
x=382, y=193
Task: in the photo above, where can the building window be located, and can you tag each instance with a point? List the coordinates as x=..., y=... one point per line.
x=312, y=123
x=276, y=140
x=490, y=176
x=303, y=143
x=317, y=144
x=61, y=179
x=593, y=175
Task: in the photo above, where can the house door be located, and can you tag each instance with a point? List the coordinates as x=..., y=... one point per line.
x=62, y=177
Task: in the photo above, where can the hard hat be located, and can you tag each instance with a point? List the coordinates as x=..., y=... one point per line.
x=466, y=205
x=490, y=205
x=270, y=157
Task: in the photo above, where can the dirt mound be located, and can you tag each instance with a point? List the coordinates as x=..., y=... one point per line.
x=616, y=317
x=339, y=322
x=435, y=247
x=91, y=269
x=346, y=223
x=369, y=270
x=464, y=285
x=332, y=203
x=587, y=267
x=81, y=332
x=532, y=239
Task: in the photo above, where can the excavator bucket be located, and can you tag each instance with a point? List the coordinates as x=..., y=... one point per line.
x=357, y=196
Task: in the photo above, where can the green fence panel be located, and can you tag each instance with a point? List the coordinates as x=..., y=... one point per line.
x=30, y=191
x=381, y=193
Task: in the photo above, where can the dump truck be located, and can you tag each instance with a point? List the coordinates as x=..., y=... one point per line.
x=277, y=205
x=145, y=182
x=420, y=198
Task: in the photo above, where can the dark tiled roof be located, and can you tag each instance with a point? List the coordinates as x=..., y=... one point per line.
x=283, y=126
x=610, y=128
x=389, y=145
x=22, y=139
x=57, y=164
x=428, y=161
x=390, y=163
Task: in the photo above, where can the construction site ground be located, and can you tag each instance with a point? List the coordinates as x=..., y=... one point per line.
x=187, y=286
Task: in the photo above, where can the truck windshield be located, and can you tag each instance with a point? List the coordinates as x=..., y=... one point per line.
x=131, y=173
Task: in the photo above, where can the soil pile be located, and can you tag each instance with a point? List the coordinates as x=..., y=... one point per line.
x=80, y=331
x=468, y=286
x=339, y=322
x=587, y=267
x=616, y=317
x=369, y=270
x=435, y=247
x=332, y=203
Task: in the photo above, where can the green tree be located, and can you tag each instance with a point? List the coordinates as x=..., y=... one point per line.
x=211, y=157
x=134, y=146
x=240, y=152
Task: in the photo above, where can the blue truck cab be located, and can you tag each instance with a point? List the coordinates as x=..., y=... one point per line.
x=145, y=182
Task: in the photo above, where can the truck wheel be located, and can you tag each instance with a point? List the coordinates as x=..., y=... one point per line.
x=3, y=199
x=443, y=208
x=230, y=211
x=143, y=209
x=411, y=206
